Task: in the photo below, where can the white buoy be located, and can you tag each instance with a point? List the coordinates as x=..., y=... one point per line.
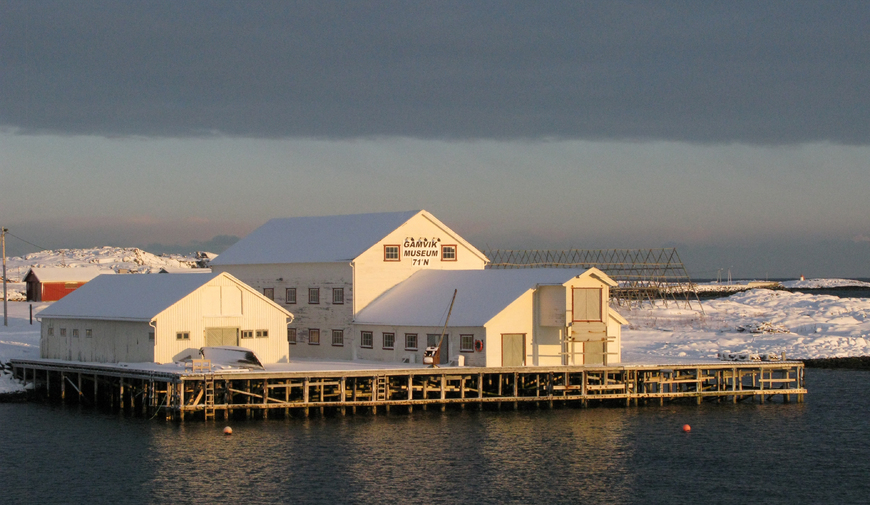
x=228, y=431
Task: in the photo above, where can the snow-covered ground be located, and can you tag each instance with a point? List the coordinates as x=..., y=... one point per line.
x=759, y=321
x=115, y=259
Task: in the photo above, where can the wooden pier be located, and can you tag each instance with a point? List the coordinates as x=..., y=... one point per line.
x=198, y=393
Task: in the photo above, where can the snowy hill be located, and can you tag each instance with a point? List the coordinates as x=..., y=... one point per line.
x=114, y=259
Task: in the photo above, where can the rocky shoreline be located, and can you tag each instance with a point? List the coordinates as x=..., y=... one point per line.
x=852, y=363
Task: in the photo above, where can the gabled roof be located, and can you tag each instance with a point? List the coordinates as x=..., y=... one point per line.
x=68, y=274
x=423, y=299
x=313, y=239
x=133, y=297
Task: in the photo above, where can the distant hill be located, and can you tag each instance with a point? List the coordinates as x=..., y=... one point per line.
x=115, y=259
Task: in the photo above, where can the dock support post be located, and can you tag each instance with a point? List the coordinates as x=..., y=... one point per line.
x=305, y=382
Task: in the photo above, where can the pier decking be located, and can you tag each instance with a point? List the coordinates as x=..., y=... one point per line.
x=199, y=393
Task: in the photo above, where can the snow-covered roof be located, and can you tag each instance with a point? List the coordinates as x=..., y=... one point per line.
x=313, y=239
x=134, y=297
x=70, y=274
x=423, y=299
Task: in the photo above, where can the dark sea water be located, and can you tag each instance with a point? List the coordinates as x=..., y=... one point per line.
x=813, y=452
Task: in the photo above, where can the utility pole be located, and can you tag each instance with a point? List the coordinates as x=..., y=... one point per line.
x=3, y=239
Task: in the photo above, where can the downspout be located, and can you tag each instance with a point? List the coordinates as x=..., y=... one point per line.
x=153, y=324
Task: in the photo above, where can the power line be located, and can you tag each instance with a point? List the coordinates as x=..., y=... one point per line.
x=26, y=242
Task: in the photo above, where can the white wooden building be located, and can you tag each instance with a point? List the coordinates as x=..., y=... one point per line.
x=326, y=269
x=162, y=318
x=524, y=317
x=369, y=286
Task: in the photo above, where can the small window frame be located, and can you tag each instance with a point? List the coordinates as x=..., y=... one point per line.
x=338, y=296
x=311, y=333
x=290, y=296
x=269, y=293
x=338, y=338
x=367, y=339
x=313, y=296
x=453, y=252
x=411, y=341
x=291, y=336
x=392, y=252
x=390, y=337
x=466, y=338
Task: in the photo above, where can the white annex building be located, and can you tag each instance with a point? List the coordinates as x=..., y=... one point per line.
x=378, y=287
x=162, y=318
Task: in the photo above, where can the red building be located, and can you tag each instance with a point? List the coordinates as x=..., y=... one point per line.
x=48, y=284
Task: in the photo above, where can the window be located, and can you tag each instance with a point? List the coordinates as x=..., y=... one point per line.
x=365, y=339
x=89, y=333
x=269, y=293
x=313, y=336
x=63, y=332
x=410, y=341
x=338, y=296
x=389, y=340
x=262, y=333
x=150, y=335
x=291, y=335
x=182, y=335
x=448, y=253
x=75, y=333
x=466, y=343
x=586, y=304
x=290, y=296
x=247, y=333
x=391, y=253
x=313, y=296
x=338, y=338
x=50, y=331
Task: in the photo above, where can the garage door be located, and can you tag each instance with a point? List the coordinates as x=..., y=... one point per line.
x=221, y=336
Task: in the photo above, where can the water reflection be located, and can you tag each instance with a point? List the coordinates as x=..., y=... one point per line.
x=797, y=453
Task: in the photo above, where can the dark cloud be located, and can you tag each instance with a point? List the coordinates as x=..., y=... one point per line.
x=758, y=72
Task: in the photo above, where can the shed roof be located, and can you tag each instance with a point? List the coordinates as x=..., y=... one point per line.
x=134, y=297
x=313, y=239
x=65, y=274
x=423, y=299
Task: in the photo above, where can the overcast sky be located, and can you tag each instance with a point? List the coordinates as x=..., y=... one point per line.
x=736, y=131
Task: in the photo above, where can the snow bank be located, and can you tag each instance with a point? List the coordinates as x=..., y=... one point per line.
x=760, y=321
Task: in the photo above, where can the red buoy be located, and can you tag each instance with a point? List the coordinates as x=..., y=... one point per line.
x=229, y=431
x=687, y=428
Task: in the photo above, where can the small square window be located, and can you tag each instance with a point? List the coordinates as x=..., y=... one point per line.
x=50, y=331
x=63, y=332
x=391, y=253
x=338, y=338
x=182, y=335
x=247, y=333
x=448, y=253
x=338, y=296
x=466, y=343
x=150, y=335
x=365, y=339
x=389, y=340
x=75, y=333
x=313, y=336
x=89, y=333
x=410, y=341
x=291, y=335
x=290, y=296
x=313, y=296
x=269, y=293
x=262, y=333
